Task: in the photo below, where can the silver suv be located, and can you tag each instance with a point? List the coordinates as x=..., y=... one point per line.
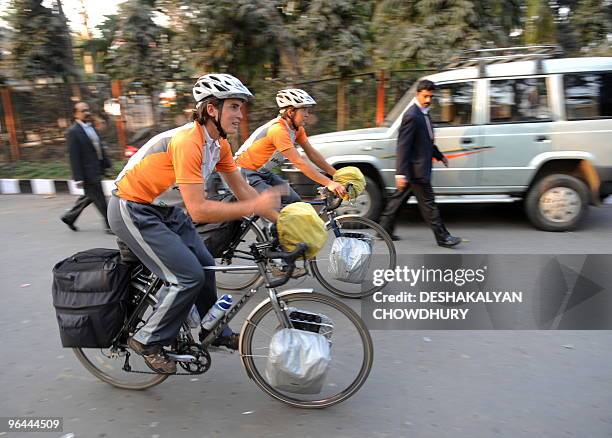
x=514, y=127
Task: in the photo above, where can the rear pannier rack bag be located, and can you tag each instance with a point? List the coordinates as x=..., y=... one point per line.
x=90, y=294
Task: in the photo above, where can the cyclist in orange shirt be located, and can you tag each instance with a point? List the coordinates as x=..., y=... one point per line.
x=271, y=143
x=145, y=211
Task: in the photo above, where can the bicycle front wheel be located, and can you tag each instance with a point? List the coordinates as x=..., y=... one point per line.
x=383, y=256
x=352, y=352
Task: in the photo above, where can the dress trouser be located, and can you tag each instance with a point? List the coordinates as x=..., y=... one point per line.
x=93, y=193
x=427, y=205
x=166, y=242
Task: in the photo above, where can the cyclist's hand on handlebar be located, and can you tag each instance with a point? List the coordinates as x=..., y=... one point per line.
x=336, y=188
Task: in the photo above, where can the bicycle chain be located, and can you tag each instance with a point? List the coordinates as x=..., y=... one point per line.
x=205, y=366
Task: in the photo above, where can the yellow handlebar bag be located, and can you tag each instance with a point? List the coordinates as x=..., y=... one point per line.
x=299, y=222
x=352, y=175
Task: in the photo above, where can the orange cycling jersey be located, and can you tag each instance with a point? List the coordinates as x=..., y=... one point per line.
x=185, y=155
x=265, y=146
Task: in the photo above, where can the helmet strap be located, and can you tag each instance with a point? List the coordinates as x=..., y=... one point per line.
x=291, y=118
x=217, y=122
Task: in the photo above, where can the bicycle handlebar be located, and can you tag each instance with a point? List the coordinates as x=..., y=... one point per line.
x=332, y=201
x=289, y=258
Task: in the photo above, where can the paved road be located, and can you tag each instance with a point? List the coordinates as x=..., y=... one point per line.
x=423, y=384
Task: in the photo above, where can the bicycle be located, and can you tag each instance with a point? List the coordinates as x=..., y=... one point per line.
x=383, y=250
x=352, y=352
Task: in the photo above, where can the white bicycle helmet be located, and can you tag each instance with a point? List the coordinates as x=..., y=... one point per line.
x=294, y=97
x=221, y=86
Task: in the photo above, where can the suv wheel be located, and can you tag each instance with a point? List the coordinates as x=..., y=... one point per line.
x=557, y=202
x=368, y=204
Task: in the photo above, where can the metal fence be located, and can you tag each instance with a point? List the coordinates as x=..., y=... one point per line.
x=127, y=114
x=42, y=113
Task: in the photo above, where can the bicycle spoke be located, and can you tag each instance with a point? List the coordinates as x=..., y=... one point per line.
x=351, y=350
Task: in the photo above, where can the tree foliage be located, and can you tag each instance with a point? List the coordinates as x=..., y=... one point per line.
x=291, y=40
x=243, y=37
x=134, y=53
x=41, y=44
x=336, y=35
x=592, y=20
x=429, y=32
x=539, y=23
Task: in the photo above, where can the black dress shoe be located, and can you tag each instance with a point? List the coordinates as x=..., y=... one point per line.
x=393, y=237
x=70, y=224
x=449, y=241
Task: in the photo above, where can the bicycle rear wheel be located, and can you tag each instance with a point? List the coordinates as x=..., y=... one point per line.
x=384, y=256
x=352, y=350
x=237, y=281
x=108, y=366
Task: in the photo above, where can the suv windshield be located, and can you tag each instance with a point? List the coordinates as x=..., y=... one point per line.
x=400, y=106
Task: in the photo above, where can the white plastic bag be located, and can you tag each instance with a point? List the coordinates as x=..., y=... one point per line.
x=350, y=257
x=298, y=361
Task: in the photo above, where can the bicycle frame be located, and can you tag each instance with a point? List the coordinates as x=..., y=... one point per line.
x=331, y=214
x=155, y=283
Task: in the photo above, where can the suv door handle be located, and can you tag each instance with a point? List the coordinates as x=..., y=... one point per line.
x=542, y=139
x=467, y=140
x=370, y=148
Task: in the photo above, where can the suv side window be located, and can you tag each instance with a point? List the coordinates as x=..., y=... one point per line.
x=588, y=95
x=518, y=100
x=453, y=104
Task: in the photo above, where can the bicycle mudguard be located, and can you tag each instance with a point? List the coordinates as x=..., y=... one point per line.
x=327, y=224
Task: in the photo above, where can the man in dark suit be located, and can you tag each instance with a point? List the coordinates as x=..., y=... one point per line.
x=415, y=150
x=88, y=161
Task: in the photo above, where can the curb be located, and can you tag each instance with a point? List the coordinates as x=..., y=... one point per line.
x=46, y=186
x=53, y=186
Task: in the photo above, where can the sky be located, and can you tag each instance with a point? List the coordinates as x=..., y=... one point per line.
x=96, y=10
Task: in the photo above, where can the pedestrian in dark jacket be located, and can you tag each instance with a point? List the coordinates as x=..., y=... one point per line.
x=88, y=160
x=415, y=150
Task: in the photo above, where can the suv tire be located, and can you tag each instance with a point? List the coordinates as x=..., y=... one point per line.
x=557, y=202
x=369, y=204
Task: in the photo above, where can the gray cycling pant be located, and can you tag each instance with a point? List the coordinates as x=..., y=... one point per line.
x=166, y=242
x=262, y=181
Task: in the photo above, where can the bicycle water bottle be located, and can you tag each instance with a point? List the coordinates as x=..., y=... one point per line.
x=216, y=312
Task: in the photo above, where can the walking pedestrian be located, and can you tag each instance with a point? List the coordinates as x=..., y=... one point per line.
x=415, y=150
x=88, y=161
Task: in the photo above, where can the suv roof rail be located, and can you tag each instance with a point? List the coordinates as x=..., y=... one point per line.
x=482, y=57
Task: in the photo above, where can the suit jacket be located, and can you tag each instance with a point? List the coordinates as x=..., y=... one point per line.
x=415, y=147
x=84, y=161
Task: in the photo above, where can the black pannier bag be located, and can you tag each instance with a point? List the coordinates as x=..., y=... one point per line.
x=218, y=236
x=90, y=293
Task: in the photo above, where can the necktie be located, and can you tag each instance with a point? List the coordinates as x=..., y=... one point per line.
x=429, y=128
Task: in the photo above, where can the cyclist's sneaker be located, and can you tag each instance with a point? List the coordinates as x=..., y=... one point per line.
x=230, y=342
x=154, y=356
